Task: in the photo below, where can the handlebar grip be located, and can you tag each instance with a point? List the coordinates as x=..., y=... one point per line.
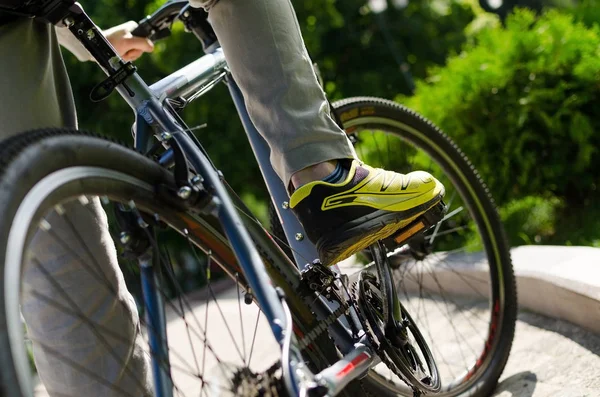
x=144, y=29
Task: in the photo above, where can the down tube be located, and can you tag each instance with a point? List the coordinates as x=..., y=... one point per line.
x=303, y=250
x=244, y=249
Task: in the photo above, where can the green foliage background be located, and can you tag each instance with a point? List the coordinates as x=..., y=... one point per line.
x=344, y=37
x=522, y=101
x=519, y=99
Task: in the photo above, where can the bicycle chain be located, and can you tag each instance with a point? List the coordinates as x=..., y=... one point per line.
x=322, y=326
x=319, y=329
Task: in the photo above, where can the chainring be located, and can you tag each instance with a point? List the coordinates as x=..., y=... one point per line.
x=370, y=305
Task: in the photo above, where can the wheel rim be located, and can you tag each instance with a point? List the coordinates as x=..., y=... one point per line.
x=242, y=322
x=422, y=290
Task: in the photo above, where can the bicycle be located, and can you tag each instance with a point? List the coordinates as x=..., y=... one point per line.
x=335, y=333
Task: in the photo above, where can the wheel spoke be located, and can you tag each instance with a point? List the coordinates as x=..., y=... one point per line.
x=463, y=277
x=239, y=299
x=187, y=327
x=432, y=237
x=181, y=313
x=281, y=241
x=82, y=369
x=109, y=347
x=214, y=297
x=449, y=315
x=254, y=336
x=428, y=327
x=204, y=348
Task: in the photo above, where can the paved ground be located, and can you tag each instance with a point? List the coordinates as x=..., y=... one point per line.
x=549, y=357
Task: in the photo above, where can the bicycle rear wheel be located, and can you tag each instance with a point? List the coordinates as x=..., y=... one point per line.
x=456, y=281
x=51, y=181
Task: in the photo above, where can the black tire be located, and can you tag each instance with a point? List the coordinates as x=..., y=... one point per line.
x=27, y=159
x=378, y=114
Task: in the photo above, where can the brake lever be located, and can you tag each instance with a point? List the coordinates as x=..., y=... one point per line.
x=158, y=25
x=145, y=29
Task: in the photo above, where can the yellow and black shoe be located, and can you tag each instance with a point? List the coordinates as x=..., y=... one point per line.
x=371, y=204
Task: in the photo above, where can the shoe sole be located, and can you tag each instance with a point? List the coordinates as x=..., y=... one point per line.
x=347, y=240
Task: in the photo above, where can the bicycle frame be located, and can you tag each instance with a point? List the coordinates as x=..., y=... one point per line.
x=155, y=118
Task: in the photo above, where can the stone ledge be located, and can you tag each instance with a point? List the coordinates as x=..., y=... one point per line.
x=560, y=282
x=557, y=281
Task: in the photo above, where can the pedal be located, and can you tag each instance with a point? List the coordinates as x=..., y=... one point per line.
x=422, y=223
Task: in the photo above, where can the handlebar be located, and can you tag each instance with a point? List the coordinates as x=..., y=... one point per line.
x=158, y=25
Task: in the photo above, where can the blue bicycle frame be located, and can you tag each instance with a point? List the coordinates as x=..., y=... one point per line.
x=155, y=119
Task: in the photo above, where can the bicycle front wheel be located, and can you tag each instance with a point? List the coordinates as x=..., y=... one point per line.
x=457, y=280
x=64, y=195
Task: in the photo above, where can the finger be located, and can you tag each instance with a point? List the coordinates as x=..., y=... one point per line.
x=140, y=43
x=128, y=26
x=120, y=30
x=132, y=55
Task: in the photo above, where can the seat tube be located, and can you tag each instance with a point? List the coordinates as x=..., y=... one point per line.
x=303, y=250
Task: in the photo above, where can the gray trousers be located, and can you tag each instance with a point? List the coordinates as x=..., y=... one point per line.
x=36, y=93
x=267, y=57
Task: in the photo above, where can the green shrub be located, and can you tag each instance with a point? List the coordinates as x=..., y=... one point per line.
x=530, y=220
x=523, y=102
x=580, y=226
x=587, y=11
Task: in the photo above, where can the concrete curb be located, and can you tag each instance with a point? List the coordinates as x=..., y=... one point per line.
x=560, y=282
x=556, y=281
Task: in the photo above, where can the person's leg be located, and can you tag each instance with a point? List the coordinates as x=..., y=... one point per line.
x=34, y=86
x=343, y=205
x=266, y=54
x=36, y=93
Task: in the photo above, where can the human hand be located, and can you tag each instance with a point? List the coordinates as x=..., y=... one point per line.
x=127, y=45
